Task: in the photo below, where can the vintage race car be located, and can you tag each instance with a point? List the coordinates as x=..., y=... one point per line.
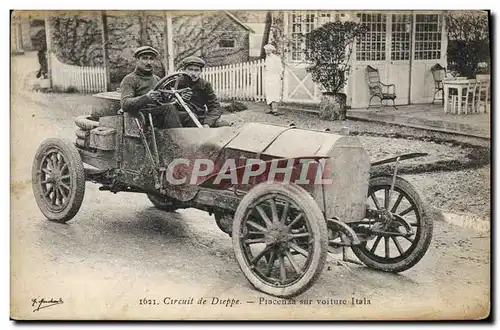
x=286, y=196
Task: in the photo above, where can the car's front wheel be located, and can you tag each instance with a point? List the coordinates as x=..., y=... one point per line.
x=58, y=179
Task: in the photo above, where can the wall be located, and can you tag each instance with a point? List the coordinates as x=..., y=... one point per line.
x=78, y=39
x=20, y=34
x=16, y=46
x=200, y=34
x=26, y=36
x=30, y=24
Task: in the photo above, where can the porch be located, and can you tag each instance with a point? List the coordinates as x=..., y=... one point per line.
x=420, y=116
x=429, y=117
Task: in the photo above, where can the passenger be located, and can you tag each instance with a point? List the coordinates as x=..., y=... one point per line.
x=202, y=98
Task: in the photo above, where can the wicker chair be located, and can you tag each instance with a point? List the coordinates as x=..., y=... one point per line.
x=379, y=89
x=438, y=73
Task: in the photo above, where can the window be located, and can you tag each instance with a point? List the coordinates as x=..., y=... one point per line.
x=226, y=43
x=324, y=18
x=428, y=36
x=400, y=37
x=371, y=46
x=302, y=22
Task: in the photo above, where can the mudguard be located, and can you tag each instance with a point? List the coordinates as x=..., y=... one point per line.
x=401, y=157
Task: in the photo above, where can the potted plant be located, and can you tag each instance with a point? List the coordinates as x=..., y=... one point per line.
x=329, y=49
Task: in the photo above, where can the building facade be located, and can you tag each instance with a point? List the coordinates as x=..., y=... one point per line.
x=20, y=34
x=25, y=31
x=220, y=38
x=402, y=45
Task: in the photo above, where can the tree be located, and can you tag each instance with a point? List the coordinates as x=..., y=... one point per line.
x=468, y=41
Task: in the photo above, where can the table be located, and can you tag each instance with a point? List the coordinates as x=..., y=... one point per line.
x=460, y=85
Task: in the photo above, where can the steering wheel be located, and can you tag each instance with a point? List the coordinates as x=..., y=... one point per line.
x=170, y=93
x=168, y=86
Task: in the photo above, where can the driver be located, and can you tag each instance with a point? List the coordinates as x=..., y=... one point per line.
x=137, y=88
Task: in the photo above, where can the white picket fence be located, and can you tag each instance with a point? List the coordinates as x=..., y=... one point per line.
x=82, y=79
x=242, y=81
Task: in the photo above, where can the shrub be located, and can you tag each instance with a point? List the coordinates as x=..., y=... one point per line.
x=233, y=106
x=329, y=49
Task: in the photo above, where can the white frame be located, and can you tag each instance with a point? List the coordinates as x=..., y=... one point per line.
x=441, y=20
x=410, y=41
x=334, y=16
x=387, y=40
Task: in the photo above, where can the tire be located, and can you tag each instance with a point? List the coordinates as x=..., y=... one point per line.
x=81, y=143
x=421, y=239
x=312, y=221
x=58, y=169
x=82, y=134
x=86, y=124
x=161, y=203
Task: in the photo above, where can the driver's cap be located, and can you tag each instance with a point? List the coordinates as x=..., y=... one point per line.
x=146, y=50
x=193, y=60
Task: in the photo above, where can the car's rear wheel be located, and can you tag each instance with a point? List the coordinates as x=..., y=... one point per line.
x=58, y=179
x=162, y=203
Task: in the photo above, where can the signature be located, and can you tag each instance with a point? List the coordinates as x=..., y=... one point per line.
x=43, y=303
